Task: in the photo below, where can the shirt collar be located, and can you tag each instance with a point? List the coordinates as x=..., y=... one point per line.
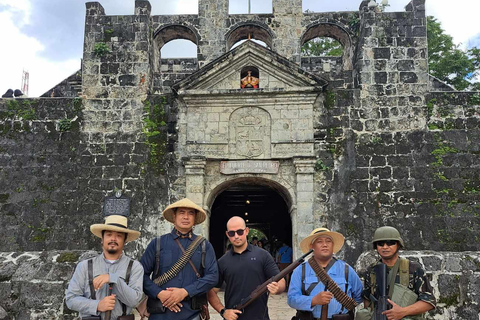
x=176, y=234
x=249, y=248
x=109, y=261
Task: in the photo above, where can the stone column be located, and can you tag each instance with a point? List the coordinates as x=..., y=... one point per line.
x=303, y=221
x=213, y=16
x=287, y=25
x=195, y=187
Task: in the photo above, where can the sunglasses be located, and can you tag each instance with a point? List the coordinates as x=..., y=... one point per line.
x=388, y=242
x=240, y=232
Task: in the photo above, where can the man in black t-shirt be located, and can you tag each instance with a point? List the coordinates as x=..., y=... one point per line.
x=243, y=268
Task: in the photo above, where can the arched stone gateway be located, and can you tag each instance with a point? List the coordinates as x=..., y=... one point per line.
x=264, y=204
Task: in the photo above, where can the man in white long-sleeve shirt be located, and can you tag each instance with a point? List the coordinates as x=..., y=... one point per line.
x=110, y=269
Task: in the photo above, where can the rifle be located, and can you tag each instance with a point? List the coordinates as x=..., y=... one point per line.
x=381, y=304
x=261, y=289
x=108, y=314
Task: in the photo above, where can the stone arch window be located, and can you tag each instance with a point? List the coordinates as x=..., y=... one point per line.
x=252, y=30
x=250, y=78
x=169, y=33
x=249, y=6
x=322, y=47
x=333, y=31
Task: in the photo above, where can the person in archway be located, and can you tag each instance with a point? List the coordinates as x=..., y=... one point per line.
x=183, y=295
x=244, y=268
x=284, y=258
x=309, y=295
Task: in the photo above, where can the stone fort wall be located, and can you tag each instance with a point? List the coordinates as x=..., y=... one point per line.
x=389, y=148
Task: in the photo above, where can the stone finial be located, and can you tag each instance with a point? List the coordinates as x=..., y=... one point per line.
x=142, y=7
x=95, y=9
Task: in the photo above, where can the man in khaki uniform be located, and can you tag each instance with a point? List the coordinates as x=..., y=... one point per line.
x=412, y=294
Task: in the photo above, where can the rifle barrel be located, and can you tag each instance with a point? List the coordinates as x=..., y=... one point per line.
x=261, y=289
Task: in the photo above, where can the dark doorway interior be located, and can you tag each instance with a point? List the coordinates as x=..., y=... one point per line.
x=262, y=207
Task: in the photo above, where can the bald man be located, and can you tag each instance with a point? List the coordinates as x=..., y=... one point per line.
x=243, y=268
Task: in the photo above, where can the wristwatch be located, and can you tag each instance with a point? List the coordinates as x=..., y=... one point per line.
x=222, y=312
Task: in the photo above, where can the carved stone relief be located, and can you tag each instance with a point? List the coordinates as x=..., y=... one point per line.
x=250, y=135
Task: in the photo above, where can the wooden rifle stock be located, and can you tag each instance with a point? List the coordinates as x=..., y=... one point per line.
x=324, y=314
x=261, y=289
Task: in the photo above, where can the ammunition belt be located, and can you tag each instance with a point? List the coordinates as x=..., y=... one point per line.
x=180, y=264
x=338, y=293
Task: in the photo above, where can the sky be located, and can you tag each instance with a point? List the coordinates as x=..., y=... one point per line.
x=45, y=37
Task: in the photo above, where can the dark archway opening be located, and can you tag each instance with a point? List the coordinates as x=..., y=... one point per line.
x=262, y=207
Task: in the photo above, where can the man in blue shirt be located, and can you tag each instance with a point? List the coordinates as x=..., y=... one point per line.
x=176, y=294
x=307, y=292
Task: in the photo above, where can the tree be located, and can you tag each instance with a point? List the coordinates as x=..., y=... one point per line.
x=322, y=47
x=448, y=62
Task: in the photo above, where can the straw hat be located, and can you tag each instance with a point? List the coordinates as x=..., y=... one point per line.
x=115, y=223
x=338, y=239
x=169, y=212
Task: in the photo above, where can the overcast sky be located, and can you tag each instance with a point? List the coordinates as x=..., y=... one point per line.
x=45, y=37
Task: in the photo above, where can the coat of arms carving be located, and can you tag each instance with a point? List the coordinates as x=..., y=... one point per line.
x=251, y=133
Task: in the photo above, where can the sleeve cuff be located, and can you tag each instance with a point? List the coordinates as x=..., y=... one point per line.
x=93, y=307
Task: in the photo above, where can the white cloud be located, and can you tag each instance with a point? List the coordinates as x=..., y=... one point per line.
x=23, y=54
x=20, y=51
x=459, y=18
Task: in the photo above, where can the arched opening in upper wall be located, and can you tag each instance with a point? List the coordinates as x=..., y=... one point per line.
x=249, y=7
x=255, y=31
x=175, y=41
x=332, y=31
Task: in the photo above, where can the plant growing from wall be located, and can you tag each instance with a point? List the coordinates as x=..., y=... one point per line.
x=64, y=125
x=101, y=49
x=321, y=166
x=330, y=99
x=23, y=110
x=154, y=126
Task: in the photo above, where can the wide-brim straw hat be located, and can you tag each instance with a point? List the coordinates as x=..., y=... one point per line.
x=115, y=223
x=337, y=238
x=169, y=212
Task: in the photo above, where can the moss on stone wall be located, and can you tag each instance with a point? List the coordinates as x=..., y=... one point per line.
x=154, y=129
x=68, y=257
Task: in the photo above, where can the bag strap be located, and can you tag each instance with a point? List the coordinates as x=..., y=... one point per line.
x=190, y=261
x=156, y=271
x=204, y=254
x=90, y=279
x=392, y=275
x=127, y=279
x=310, y=287
x=180, y=264
x=404, y=271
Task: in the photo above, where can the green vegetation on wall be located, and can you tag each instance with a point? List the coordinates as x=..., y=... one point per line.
x=154, y=128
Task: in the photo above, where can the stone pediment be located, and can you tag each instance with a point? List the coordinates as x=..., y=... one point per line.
x=274, y=72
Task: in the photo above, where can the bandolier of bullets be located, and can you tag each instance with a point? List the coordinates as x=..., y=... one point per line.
x=179, y=265
x=338, y=293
